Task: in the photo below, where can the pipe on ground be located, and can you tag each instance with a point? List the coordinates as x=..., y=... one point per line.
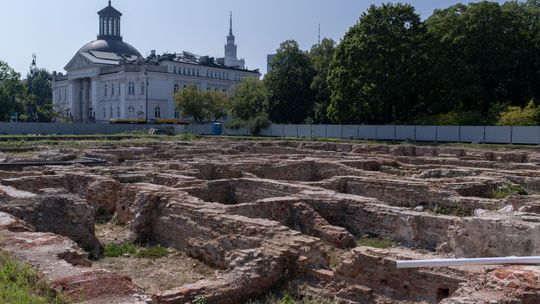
x=468, y=262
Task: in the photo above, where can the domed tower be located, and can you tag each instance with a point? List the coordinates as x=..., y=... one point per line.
x=110, y=39
x=109, y=23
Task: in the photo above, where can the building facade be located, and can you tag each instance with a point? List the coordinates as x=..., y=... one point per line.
x=109, y=79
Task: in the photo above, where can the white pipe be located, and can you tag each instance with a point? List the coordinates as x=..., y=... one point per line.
x=468, y=262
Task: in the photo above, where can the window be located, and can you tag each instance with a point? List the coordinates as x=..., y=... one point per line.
x=157, y=112
x=105, y=90
x=184, y=71
x=176, y=87
x=118, y=110
x=175, y=71
x=112, y=89
x=104, y=113
x=131, y=88
x=176, y=114
x=142, y=88
x=131, y=112
x=111, y=112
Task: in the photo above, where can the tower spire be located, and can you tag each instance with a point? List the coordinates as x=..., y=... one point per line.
x=110, y=3
x=230, y=26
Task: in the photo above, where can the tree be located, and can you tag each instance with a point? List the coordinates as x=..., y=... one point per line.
x=291, y=98
x=376, y=76
x=248, y=106
x=217, y=104
x=11, y=89
x=38, y=97
x=321, y=56
x=201, y=106
x=481, y=54
x=249, y=99
x=518, y=116
x=191, y=103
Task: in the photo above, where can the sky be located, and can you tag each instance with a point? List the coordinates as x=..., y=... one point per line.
x=55, y=29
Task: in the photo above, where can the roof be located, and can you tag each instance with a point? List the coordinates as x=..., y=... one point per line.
x=117, y=47
x=190, y=58
x=110, y=11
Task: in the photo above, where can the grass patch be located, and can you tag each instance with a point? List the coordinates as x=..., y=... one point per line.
x=375, y=243
x=20, y=284
x=114, y=250
x=152, y=252
x=454, y=211
x=507, y=190
x=149, y=252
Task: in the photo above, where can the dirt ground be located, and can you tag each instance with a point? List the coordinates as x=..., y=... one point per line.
x=153, y=275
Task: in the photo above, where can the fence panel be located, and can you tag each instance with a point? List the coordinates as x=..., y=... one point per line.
x=304, y=131
x=367, y=132
x=350, y=131
x=472, y=134
x=334, y=131
x=318, y=131
x=426, y=133
x=405, y=132
x=526, y=135
x=291, y=130
x=448, y=133
x=277, y=130
x=499, y=135
x=386, y=132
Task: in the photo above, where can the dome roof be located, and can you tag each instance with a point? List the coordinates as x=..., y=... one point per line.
x=111, y=46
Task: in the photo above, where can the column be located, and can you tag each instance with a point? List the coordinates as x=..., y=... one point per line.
x=85, y=102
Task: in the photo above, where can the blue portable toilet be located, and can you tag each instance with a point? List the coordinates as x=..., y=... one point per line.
x=217, y=128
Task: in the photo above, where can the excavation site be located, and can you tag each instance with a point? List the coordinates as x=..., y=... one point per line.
x=273, y=221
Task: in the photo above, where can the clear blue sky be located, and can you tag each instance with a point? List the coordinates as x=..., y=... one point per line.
x=56, y=29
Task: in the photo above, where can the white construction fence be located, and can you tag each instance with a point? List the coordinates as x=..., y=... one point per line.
x=465, y=134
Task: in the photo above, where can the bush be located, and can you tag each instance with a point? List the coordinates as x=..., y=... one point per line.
x=19, y=284
x=255, y=125
x=517, y=116
x=453, y=118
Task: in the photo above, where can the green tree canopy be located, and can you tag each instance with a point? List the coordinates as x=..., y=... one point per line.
x=200, y=105
x=375, y=75
x=249, y=99
x=11, y=91
x=481, y=54
x=291, y=98
x=321, y=56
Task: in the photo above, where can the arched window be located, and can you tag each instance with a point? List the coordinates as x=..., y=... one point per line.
x=176, y=87
x=112, y=89
x=131, y=88
x=157, y=112
x=184, y=71
x=111, y=112
x=118, y=110
x=105, y=90
x=143, y=87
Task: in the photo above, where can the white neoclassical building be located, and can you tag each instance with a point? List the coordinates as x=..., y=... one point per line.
x=109, y=79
